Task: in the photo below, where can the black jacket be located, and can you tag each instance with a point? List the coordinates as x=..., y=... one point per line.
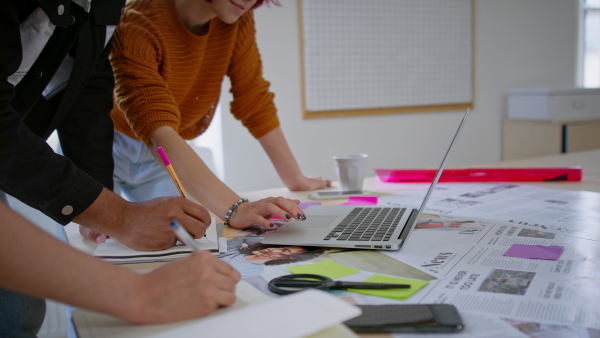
x=59, y=186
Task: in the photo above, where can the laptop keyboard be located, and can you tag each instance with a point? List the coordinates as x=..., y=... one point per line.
x=367, y=224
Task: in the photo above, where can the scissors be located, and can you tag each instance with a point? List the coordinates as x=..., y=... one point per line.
x=287, y=284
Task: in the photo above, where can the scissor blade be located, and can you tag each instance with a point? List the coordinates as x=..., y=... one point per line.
x=358, y=285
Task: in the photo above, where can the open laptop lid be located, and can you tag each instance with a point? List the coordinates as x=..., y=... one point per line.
x=442, y=166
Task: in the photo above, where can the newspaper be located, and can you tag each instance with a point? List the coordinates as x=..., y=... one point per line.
x=575, y=213
x=473, y=225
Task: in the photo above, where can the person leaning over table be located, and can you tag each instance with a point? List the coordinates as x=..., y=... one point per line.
x=57, y=76
x=170, y=58
x=36, y=264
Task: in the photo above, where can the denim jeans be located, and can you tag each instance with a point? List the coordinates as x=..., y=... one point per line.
x=137, y=176
x=20, y=315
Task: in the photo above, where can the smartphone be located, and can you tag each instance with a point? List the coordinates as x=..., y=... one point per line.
x=430, y=318
x=330, y=195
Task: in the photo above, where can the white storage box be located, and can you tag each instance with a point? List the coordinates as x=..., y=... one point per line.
x=546, y=104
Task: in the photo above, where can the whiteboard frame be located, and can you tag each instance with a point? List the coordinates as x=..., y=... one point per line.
x=387, y=110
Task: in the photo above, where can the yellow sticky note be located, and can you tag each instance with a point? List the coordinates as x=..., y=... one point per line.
x=399, y=294
x=326, y=268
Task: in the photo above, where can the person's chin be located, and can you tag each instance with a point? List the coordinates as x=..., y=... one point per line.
x=230, y=18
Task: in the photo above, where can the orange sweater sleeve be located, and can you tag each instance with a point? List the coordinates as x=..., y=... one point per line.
x=143, y=100
x=252, y=101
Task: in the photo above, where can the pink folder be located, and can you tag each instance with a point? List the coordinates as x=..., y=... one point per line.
x=481, y=174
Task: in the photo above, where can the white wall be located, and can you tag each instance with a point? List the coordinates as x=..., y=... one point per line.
x=518, y=43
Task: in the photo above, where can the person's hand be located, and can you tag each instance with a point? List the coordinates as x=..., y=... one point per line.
x=145, y=225
x=187, y=288
x=259, y=212
x=92, y=235
x=305, y=183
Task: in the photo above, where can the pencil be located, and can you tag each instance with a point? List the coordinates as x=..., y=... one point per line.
x=167, y=163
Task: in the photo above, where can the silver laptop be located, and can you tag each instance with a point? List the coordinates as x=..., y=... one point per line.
x=356, y=227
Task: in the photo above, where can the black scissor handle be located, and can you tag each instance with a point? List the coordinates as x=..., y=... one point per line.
x=293, y=283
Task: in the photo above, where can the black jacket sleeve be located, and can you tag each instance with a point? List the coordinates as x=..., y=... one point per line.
x=86, y=133
x=29, y=169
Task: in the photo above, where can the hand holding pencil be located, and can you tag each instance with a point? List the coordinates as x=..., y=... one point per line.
x=178, y=184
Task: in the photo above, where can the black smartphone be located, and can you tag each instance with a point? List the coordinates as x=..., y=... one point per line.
x=431, y=318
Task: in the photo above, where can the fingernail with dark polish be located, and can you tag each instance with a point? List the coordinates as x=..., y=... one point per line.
x=304, y=217
x=288, y=216
x=272, y=225
x=299, y=215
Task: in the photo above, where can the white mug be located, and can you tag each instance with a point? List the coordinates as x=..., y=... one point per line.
x=351, y=170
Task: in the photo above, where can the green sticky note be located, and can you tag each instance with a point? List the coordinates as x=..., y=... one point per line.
x=326, y=268
x=399, y=294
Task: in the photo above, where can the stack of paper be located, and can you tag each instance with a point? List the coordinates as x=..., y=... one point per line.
x=118, y=253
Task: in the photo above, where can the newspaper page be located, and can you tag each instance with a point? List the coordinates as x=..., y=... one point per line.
x=471, y=228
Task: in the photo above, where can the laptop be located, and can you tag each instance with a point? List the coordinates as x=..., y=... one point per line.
x=356, y=227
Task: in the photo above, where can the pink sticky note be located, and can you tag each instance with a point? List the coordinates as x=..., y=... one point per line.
x=551, y=252
x=361, y=200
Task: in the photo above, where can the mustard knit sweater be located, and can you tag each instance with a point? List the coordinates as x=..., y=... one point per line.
x=166, y=76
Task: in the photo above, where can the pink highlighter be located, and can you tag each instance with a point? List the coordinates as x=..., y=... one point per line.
x=167, y=163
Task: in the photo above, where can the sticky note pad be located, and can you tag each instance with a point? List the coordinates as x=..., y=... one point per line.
x=551, y=252
x=361, y=200
x=326, y=268
x=398, y=294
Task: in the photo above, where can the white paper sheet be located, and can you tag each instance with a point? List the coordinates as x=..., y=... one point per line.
x=254, y=315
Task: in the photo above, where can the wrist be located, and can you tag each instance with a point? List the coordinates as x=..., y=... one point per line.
x=137, y=307
x=231, y=213
x=109, y=223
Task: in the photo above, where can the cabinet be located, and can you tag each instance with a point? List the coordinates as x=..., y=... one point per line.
x=529, y=138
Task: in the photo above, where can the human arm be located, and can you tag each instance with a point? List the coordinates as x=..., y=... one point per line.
x=201, y=183
x=253, y=104
x=143, y=225
x=35, y=263
x=86, y=132
x=278, y=150
x=31, y=171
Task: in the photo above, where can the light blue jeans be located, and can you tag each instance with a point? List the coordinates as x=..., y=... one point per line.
x=137, y=175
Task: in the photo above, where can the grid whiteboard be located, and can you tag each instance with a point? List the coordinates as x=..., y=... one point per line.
x=377, y=54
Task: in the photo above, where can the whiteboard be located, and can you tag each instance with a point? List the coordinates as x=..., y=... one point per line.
x=377, y=54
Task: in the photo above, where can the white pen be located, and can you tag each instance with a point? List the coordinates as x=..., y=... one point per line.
x=184, y=236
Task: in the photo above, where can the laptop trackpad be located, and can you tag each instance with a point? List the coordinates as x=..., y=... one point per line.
x=316, y=221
